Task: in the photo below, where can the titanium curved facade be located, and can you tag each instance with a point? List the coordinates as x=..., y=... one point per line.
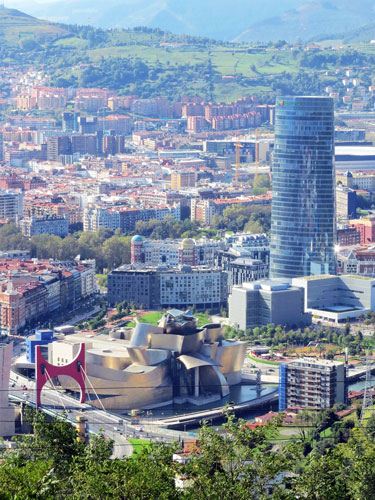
x=173, y=362
x=303, y=188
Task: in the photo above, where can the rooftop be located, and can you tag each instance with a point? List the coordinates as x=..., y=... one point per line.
x=313, y=362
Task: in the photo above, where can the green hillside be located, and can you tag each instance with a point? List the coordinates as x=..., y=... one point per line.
x=151, y=62
x=16, y=26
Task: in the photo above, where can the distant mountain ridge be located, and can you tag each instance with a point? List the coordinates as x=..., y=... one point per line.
x=312, y=19
x=237, y=20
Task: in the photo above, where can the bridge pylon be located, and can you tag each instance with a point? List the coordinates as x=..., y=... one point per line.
x=44, y=371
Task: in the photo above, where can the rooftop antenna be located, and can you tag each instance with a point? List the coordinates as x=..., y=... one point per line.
x=368, y=404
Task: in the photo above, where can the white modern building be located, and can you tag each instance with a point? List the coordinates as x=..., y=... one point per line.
x=265, y=302
x=336, y=298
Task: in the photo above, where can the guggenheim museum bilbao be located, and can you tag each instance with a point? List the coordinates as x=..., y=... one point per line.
x=151, y=366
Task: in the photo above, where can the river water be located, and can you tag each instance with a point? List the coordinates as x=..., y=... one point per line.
x=238, y=394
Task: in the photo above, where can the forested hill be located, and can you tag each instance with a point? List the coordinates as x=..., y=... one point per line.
x=151, y=62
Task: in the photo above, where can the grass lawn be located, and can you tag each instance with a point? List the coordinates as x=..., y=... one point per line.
x=152, y=318
x=72, y=42
x=138, y=446
x=203, y=319
x=257, y=360
x=130, y=324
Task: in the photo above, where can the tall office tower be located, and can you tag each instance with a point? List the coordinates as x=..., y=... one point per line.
x=303, y=188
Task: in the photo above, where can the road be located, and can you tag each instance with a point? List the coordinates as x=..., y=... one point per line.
x=113, y=426
x=59, y=404
x=116, y=427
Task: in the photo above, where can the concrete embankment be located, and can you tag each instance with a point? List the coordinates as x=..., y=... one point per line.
x=194, y=419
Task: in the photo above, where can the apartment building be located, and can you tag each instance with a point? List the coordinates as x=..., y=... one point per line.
x=125, y=218
x=366, y=227
x=346, y=202
x=49, y=224
x=346, y=236
x=245, y=270
x=11, y=204
x=202, y=211
x=182, y=179
x=160, y=287
x=119, y=123
x=31, y=290
x=312, y=383
x=174, y=252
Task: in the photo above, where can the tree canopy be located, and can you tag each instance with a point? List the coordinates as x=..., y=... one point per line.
x=239, y=463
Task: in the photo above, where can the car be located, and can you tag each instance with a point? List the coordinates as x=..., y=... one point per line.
x=12, y=384
x=24, y=388
x=26, y=395
x=139, y=428
x=116, y=429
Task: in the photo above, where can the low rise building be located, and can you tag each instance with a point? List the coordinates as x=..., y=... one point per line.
x=348, y=236
x=42, y=338
x=366, y=227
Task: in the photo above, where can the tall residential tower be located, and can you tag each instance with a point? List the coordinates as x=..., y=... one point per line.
x=303, y=194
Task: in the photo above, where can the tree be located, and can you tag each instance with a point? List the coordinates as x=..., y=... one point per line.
x=323, y=477
x=238, y=464
x=261, y=184
x=12, y=239
x=116, y=251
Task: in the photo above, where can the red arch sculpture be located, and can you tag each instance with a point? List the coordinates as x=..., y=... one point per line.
x=73, y=370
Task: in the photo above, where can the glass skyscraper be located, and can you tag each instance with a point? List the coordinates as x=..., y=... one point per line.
x=303, y=188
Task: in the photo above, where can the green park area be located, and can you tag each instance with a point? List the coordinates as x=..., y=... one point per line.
x=154, y=317
x=139, y=445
